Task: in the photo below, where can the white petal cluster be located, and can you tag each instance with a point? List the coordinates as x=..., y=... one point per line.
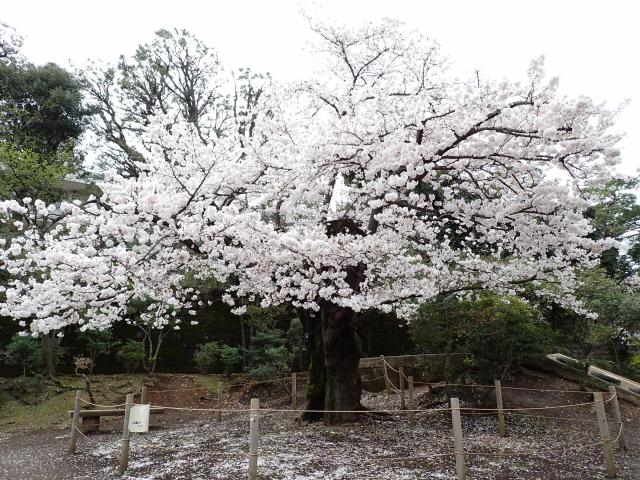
x=379, y=184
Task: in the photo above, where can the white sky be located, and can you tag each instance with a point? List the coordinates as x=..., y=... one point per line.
x=588, y=44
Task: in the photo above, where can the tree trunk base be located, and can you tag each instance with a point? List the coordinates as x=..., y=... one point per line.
x=333, y=389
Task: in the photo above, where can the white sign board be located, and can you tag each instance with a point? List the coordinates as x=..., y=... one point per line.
x=139, y=418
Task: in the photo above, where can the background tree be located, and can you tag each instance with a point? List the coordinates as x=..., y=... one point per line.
x=616, y=214
x=26, y=350
x=41, y=119
x=96, y=343
x=10, y=44
x=497, y=333
x=175, y=75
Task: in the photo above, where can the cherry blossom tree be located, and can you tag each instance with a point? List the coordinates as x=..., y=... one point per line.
x=379, y=184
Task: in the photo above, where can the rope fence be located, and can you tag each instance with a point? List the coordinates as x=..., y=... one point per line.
x=256, y=411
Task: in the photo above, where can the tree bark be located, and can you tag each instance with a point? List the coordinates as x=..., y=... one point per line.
x=48, y=354
x=334, y=382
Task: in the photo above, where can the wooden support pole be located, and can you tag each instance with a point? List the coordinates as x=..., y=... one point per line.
x=294, y=391
x=387, y=382
x=75, y=421
x=143, y=395
x=254, y=419
x=403, y=405
x=501, y=426
x=604, y=435
x=457, y=438
x=124, y=448
x=294, y=396
x=617, y=416
x=219, y=412
x=412, y=402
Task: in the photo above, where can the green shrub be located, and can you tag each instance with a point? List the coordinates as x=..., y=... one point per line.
x=208, y=358
x=131, y=355
x=268, y=355
x=96, y=343
x=496, y=332
x=295, y=343
x=215, y=358
x=231, y=359
x=27, y=351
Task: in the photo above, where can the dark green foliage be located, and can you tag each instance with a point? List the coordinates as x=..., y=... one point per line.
x=215, y=358
x=295, y=342
x=507, y=335
x=96, y=343
x=617, y=215
x=497, y=333
x=27, y=351
x=231, y=359
x=131, y=355
x=41, y=106
x=208, y=358
x=268, y=354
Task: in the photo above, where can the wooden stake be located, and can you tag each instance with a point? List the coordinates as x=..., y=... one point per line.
x=219, y=412
x=412, y=402
x=124, y=449
x=294, y=392
x=615, y=406
x=143, y=395
x=75, y=421
x=384, y=372
x=294, y=396
x=403, y=405
x=253, y=438
x=604, y=435
x=457, y=438
x=501, y=426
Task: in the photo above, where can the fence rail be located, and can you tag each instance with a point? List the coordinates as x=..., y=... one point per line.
x=255, y=411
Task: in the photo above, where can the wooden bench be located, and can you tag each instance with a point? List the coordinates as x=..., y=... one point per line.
x=91, y=418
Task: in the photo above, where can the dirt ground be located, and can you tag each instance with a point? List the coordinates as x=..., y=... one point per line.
x=185, y=445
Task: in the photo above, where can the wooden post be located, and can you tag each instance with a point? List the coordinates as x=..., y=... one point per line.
x=124, y=449
x=615, y=405
x=294, y=391
x=403, y=405
x=143, y=395
x=457, y=438
x=604, y=435
x=253, y=438
x=501, y=426
x=294, y=396
x=219, y=412
x=412, y=402
x=75, y=421
x=384, y=372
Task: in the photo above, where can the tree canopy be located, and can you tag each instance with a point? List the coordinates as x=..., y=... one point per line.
x=379, y=184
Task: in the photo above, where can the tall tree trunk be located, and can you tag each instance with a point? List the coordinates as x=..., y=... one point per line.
x=317, y=379
x=48, y=354
x=334, y=382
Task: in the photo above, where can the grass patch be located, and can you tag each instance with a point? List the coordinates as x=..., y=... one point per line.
x=51, y=402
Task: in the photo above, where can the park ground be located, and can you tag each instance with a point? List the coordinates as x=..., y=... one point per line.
x=192, y=444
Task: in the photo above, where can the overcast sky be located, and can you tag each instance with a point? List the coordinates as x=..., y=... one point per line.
x=588, y=44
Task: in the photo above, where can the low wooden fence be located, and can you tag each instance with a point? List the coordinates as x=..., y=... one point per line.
x=406, y=408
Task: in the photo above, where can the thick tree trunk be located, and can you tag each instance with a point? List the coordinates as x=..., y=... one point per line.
x=48, y=355
x=334, y=382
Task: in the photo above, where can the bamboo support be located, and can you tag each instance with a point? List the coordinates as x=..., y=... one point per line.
x=610, y=465
x=75, y=421
x=124, y=448
x=501, y=424
x=615, y=406
x=253, y=438
x=457, y=438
